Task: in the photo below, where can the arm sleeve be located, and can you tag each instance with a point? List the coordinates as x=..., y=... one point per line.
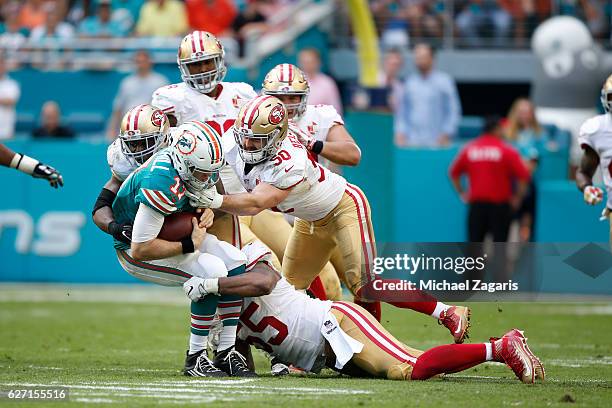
x=453, y=108
x=458, y=167
x=401, y=112
x=147, y=224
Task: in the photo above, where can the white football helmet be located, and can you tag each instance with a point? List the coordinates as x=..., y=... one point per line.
x=287, y=79
x=197, y=47
x=260, y=128
x=606, y=95
x=197, y=155
x=143, y=132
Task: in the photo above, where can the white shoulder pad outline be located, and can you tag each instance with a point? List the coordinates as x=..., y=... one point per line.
x=329, y=114
x=591, y=126
x=168, y=98
x=244, y=90
x=257, y=252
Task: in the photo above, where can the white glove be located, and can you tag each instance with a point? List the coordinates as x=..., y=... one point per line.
x=196, y=288
x=305, y=139
x=208, y=198
x=605, y=214
x=593, y=195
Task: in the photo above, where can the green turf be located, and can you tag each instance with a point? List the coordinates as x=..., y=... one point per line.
x=131, y=353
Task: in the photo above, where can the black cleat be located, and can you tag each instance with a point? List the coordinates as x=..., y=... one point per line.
x=233, y=363
x=199, y=365
x=278, y=368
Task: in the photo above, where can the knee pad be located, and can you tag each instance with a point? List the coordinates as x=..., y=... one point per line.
x=211, y=267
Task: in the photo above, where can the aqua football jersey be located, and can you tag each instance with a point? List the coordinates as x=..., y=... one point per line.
x=155, y=184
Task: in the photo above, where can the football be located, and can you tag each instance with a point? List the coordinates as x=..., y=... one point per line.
x=177, y=226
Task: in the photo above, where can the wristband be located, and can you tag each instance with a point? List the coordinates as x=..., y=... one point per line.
x=217, y=201
x=23, y=163
x=112, y=227
x=317, y=147
x=187, y=244
x=211, y=286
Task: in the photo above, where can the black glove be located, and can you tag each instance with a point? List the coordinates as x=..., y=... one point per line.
x=121, y=232
x=47, y=172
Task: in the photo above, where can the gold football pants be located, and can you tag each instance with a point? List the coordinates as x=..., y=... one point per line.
x=274, y=231
x=348, y=230
x=226, y=228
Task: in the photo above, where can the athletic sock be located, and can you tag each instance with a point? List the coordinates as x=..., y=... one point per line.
x=229, y=314
x=317, y=289
x=202, y=313
x=450, y=358
x=420, y=302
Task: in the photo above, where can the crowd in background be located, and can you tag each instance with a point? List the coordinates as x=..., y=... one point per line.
x=36, y=20
x=478, y=23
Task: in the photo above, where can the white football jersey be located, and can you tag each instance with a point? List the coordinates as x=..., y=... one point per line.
x=317, y=120
x=120, y=165
x=315, y=191
x=597, y=134
x=186, y=104
x=285, y=323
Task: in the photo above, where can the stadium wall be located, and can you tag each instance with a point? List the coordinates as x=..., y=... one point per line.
x=47, y=235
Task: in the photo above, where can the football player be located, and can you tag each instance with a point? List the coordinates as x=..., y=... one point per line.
x=168, y=182
x=321, y=130
x=30, y=166
x=277, y=172
x=203, y=95
x=311, y=333
x=595, y=138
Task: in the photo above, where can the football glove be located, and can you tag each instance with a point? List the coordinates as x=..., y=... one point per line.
x=208, y=198
x=196, y=288
x=49, y=173
x=593, y=195
x=121, y=232
x=605, y=214
x=306, y=140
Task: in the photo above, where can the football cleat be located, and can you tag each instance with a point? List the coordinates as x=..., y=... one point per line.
x=457, y=320
x=233, y=363
x=199, y=365
x=278, y=368
x=512, y=349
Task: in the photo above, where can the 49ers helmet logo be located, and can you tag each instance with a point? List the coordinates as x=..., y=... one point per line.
x=277, y=114
x=186, y=143
x=157, y=118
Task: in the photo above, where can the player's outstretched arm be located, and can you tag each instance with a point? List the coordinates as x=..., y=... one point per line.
x=103, y=213
x=586, y=170
x=259, y=281
x=30, y=166
x=264, y=196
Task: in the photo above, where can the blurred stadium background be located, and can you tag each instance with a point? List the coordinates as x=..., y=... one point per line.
x=76, y=53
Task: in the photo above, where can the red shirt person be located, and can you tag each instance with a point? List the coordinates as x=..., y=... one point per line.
x=497, y=180
x=214, y=16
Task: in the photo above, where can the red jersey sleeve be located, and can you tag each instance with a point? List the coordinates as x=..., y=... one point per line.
x=459, y=165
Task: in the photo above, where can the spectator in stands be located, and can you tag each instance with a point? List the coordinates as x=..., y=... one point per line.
x=391, y=76
x=323, y=89
x=126, y=12
x=53, y=28
x=134, y=90
x=101, y=25
x=51, y=126
x=524, y=132
x=428, y=107
x=33, y=14
x=492, y=167
x=251, y=19
x=9, y=95
x=12, y=35
x=162, y=18
x=214, y=16
x=480, y=19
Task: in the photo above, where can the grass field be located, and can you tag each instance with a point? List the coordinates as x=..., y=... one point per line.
x=126, y=346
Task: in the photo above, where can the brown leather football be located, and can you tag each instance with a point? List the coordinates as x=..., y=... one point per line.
x=177, y=226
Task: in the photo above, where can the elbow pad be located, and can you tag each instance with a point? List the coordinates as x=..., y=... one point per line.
x=105, y=199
